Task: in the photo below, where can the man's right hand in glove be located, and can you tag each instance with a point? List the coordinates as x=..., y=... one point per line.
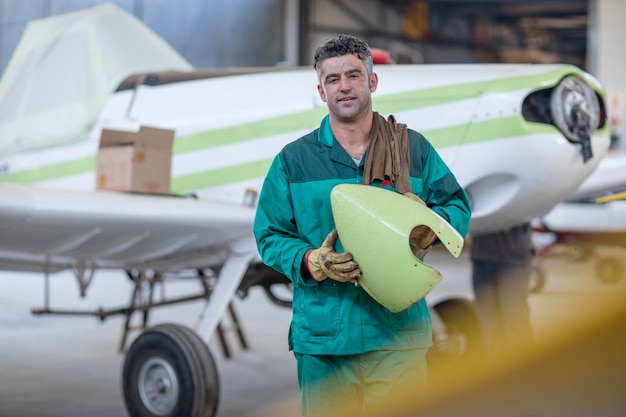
x=325, y=262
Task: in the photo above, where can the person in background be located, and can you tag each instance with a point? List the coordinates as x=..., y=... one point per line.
x=352, y=353
x=501, y=272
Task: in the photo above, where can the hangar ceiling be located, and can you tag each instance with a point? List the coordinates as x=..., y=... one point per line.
x=495, y=30
x=550, y=27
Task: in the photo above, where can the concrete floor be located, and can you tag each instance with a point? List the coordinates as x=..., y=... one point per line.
x=59, y=366
x=56, y=366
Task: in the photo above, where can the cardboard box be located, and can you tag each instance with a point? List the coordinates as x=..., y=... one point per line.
x=138, y=162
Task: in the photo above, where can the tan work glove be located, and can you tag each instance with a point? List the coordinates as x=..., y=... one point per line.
x=325, y=262
x=421, y=237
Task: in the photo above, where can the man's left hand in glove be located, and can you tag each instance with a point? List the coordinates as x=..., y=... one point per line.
x=421, y=237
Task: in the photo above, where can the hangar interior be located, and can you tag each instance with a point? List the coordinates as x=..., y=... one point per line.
x=418, y=31
x=237, y=33
x=220, y=33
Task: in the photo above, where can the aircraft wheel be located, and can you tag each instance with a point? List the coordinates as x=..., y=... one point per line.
x=537, y=280
x=609, y=270
x=463, y=340
x=169, y=371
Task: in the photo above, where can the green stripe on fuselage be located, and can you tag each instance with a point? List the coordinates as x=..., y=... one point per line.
x=391, y=103
x=447, y=136
x=48, y=172
x=443, y=137
x=440, y=138
x=220, y=176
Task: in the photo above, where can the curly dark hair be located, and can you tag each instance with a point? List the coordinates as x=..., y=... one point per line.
x=340, y=46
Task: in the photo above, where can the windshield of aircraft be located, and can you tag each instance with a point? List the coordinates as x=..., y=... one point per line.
x=169, y=77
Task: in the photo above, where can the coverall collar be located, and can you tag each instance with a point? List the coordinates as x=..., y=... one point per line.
x=336, y=152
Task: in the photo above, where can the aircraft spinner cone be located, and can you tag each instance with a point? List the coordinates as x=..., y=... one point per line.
x=374, y=225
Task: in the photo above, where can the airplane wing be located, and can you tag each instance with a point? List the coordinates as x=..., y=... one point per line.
x=607, y=178
x=587, y=217
x=594, y=215
x=49, y=230
x=598, y=205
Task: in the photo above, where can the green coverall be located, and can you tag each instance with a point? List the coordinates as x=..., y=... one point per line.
x=294, y=215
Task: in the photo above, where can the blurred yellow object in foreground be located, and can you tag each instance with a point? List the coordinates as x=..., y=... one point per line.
x=579, y=371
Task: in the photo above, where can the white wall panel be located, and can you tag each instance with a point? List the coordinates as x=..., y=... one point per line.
x=607, y=53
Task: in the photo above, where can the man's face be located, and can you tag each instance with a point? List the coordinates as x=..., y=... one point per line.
x=346, y=88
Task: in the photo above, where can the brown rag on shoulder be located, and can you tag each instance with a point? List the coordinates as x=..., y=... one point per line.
x=388, y=154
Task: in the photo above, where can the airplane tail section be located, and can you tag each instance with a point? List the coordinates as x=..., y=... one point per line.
x=64, y=69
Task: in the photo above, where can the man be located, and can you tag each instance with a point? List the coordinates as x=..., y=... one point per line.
x=352, y=353
x=501, y=271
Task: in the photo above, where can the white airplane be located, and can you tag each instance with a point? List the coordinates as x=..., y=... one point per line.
x=594, y=215
x=520, y=138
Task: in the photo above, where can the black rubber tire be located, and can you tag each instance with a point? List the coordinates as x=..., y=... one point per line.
x=459, y=315
x=170, y=372
x=609, y=270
